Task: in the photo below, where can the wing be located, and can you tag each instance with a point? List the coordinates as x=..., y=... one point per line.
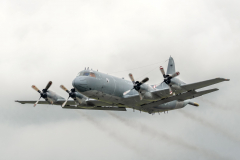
x=32, y=102
x=161, y=92
x=98, y=108
x=194, y=86
x=181, y=97
x=91, y=104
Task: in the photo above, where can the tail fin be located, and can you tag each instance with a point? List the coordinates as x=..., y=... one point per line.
x=171, y=66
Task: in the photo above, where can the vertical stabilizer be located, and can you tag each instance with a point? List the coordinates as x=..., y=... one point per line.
x=171, y=66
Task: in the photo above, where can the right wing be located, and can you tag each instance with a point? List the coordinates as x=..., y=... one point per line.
x=89, y=102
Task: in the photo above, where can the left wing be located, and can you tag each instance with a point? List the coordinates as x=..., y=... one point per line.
x=164, y=93
x=198, y=85
x=181, y=97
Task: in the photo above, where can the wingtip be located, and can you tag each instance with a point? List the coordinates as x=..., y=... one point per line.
x=224, y=79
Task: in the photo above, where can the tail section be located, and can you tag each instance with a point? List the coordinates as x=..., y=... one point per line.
x=171, y=66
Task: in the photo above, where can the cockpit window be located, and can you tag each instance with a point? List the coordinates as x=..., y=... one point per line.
x=92, y=75
x=87, y=73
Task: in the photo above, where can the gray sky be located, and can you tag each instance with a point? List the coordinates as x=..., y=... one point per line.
x=54, y=40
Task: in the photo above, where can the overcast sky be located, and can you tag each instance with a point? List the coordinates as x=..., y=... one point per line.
x=54, y=40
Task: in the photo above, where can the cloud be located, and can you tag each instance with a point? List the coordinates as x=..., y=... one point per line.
x=54, y=40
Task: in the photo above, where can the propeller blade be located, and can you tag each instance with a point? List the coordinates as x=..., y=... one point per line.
x=140, y=95
x=170, y=90
x=127, y=92
x=79, y=100
x=145, y=80
x=48, y=85
x=36, y=102
x=175, y=74
x=131, y=77
x=36, y=89
x=163, y=72
x=65, y=102
x=64, y=88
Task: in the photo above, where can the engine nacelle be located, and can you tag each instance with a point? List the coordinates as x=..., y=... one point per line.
x=180, y=104
x=52, y=97
x=80, y=99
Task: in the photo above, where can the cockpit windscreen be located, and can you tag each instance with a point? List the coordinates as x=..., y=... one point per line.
x=87, y=73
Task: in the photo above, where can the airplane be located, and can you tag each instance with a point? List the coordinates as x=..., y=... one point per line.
x=94, y=90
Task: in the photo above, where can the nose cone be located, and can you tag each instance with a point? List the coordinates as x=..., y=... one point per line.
x=80, y=83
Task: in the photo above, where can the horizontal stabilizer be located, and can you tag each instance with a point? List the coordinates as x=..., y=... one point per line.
x=181, y=97
x=198, y=94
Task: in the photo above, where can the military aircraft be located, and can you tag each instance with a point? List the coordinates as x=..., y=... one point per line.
x=98, y=91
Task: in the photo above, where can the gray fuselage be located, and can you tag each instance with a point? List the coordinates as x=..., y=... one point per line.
x=110, y=89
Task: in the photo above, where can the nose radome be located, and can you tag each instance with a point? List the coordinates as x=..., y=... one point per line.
x=73, y=83
x=80, y=83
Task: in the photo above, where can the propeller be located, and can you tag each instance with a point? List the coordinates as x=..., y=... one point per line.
x=72, y=94
x=43, y=94
x=136, y=85
x=168, y=78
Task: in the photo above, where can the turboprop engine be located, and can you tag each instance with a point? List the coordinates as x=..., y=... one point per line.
x=136, y=85
x=168, y=78
x=46, y=94
x=77, y=97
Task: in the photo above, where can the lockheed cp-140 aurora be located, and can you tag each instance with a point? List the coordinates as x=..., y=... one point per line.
x=98, y=91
